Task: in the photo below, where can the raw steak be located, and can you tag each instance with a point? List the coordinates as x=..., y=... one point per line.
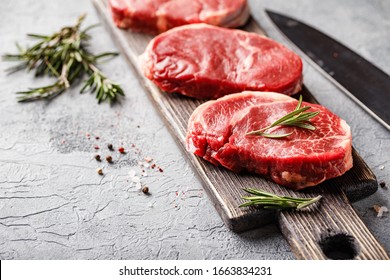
x=205, y=61
x=217, y=132
x=156, y=16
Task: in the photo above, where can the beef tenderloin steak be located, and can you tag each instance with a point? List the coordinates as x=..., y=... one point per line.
x=156, y=16
x=207, y=62
x=217, y=132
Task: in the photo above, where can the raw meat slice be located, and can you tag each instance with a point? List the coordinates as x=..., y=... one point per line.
x=156, y=16
x=204, y=61
x=139, y=15
x=217, y=132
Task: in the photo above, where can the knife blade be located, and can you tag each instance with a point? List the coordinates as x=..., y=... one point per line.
x=362, y=81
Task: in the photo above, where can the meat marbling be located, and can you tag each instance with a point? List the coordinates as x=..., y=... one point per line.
x=204, y=61
x=156, y=16
x=217, y=132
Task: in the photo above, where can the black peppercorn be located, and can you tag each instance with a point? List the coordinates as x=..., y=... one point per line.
x=109, y=159
x=145, y=190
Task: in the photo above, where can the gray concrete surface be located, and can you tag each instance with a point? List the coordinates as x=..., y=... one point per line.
x=53, y=204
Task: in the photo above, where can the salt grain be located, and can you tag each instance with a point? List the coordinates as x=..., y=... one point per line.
x=132, y=173
x=381, y=167
x=382, y=209
x=138, y=186
x=144, y=174
x=136, y=179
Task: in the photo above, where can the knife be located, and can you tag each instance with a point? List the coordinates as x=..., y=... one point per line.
x=362, y=81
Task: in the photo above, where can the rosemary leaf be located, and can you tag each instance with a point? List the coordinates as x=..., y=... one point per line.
x=90, y=27
x=272, y=201
x=38, y=36
x=273, y=136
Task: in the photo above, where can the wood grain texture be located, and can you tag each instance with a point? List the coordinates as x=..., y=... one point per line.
x=225, y=188
x=333, y=221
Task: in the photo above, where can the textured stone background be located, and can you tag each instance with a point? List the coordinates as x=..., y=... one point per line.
x=53, y=205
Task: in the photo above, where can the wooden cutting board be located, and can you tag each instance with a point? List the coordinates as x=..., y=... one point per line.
x=329, y=230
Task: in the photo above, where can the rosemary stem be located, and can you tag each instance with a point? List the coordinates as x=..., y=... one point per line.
x=64, y=55
x=269, y=200
x=298, y=118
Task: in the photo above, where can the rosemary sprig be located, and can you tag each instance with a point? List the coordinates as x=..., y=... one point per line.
x=297, y=118
x=272, y=201
x=64, y=55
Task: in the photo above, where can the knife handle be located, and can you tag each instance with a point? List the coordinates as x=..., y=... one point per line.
x=329, y=230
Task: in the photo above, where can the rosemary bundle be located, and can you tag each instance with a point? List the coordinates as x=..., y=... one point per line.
x=272, y=201
x=297, y=118
x=64, y=55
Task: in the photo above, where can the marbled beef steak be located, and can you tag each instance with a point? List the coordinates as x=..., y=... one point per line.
x=156, y=16
x=217, y=132
x=204, y=61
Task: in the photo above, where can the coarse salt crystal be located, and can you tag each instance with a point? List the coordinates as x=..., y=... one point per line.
x=132, y=173
x=381, y=167
x=138, y=185
x=382, y=209
x=136, y=179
